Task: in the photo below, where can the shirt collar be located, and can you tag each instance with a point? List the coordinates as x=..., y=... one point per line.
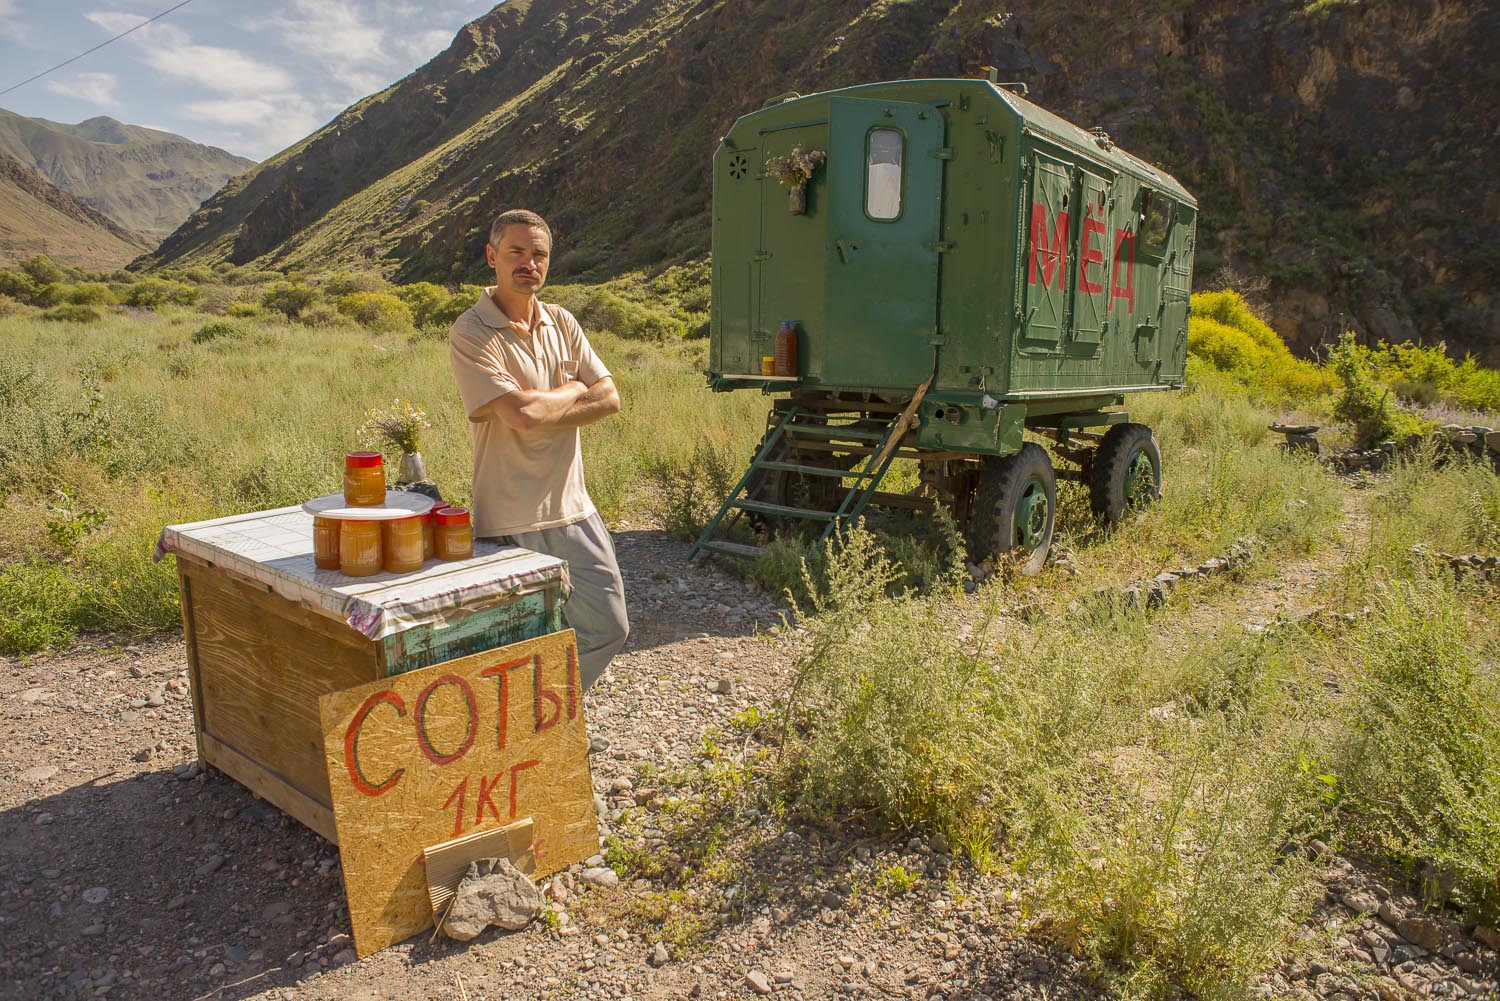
x=493, y=316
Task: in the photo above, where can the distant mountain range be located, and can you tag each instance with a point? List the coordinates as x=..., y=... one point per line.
x=38, y=217
x=1343, y=150
x=145, y=180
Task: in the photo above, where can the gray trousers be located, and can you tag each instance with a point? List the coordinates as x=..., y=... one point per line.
x=596, y=609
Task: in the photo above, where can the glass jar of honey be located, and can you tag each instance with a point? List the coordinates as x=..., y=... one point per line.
x=326, y=542
x=364, y=479
x=453, y=535
x=401, y=540
x=359, y=547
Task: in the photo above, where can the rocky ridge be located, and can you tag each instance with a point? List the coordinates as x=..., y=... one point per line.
x=1314, y=135
x=145, y=180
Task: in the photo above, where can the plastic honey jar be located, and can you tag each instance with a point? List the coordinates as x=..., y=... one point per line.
x=784, y=361
x=364, y=479
x=359, y=547
x=453, y=535
x=401, y=541
x=326, y=542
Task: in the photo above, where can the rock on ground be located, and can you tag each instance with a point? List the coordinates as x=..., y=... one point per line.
x=492, y=892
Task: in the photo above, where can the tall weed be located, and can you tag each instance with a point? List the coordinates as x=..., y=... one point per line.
x=1156, y=844
x=1421, y=766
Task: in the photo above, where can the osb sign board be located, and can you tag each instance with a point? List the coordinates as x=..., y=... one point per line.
x=428, y=756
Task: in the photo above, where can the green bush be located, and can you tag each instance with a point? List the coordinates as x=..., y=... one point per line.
x=219, y=329
x=1361, y=402
x=43, y=271
x=198, y=274
x=18, y=285
x=52, y=294
x=631, y=320
x=1427, y=375
x=323, y=316
x=424, y=299
x=152, y=293
x=288, y=298
x=378, y=311
x=345, y=282
x=443, y=314
x=92, y=294
x=73, y=313
x=1224, y=332
x=41, y=602
x=243, y=310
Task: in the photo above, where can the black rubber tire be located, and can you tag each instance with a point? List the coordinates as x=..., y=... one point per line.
x=1112, y=495
x=1006, y=486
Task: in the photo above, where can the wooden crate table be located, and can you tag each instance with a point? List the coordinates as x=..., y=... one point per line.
x=268, y=634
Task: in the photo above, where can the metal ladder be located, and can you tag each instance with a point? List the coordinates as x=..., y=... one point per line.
x=820, y=432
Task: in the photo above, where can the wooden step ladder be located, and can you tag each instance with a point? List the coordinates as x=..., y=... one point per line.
x=813, y=431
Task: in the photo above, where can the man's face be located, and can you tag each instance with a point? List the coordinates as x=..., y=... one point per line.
x=519, y=257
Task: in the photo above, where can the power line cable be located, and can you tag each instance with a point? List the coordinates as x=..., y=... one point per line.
x=96, y=48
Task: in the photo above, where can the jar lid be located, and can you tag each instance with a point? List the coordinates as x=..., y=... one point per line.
x=362, y=460
x=451, y=515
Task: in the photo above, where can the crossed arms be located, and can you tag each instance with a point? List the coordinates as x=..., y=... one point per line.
x=570, y=405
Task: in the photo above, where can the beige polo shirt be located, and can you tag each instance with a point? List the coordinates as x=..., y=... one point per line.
x=523, y=480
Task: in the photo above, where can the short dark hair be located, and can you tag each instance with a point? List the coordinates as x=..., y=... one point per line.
x=517, y=217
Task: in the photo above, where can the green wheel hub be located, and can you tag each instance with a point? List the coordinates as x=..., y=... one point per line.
x=1140, y=479
x=1032, y=511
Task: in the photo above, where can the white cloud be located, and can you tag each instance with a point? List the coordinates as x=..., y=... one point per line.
x=349, y=42
x=7, y=9
x=91, y=88
x=424, y=45
x=171, y=51
x=261, y=125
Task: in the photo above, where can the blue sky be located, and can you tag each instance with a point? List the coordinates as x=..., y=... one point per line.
x=250, y=78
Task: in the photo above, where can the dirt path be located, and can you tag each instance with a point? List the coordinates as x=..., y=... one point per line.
x=126, y=873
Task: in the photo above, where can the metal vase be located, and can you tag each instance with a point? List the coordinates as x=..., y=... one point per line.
x=413, y=468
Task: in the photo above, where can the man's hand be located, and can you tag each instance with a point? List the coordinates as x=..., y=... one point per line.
x=570, y=405
x=529, y=409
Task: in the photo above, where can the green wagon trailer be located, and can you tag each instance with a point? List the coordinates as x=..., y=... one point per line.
x=962, y=266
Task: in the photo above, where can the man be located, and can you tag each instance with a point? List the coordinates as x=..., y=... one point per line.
x=529, y=380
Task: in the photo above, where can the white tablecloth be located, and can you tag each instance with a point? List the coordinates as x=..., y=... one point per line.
x=275, y=548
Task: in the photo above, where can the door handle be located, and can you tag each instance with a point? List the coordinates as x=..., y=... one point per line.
x=843, y=252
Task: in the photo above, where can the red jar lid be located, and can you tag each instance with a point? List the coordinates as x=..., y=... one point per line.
x=451, y=515
x=362, y=460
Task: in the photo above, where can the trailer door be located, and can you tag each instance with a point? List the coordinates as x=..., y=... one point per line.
x=885, y=181
x=1047, y=212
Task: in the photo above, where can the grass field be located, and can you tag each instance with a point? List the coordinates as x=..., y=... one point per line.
x=1154, y=773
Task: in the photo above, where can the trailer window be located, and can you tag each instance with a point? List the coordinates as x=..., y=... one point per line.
x=1156, y=217
x=883, y=173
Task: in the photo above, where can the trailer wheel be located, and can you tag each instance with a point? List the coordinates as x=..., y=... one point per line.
x=1014, y=508
x=1126, y=472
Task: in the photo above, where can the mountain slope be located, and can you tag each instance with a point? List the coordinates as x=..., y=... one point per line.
x=37, y=217
x=1339, y=147
x=144, y=179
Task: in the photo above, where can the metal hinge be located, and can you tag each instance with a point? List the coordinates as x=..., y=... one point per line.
x=943, y=153
x=943, y=246
x=761, y=255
